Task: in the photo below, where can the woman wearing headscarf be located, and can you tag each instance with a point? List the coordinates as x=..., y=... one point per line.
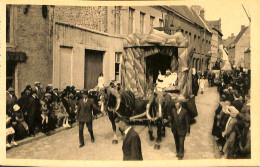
x=229, y=133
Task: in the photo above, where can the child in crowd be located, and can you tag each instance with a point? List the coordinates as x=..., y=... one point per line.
x=9, y=133
x=60, y=112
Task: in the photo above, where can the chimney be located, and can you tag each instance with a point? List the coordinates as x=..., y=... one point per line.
x=242, y=27
x=232, y=35
x=202, y=12
x=196, y=8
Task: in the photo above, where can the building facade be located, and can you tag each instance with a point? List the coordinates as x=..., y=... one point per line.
x=28, y=46
x=192, y=25
x=216, y=41
x=125, y=20
x=70, y=45
x=238, y=47
x=60, y=45
x=247, y=57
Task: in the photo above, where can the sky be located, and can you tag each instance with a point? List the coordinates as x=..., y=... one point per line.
x=231, y=13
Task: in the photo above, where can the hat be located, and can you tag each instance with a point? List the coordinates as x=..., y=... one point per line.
x=28, y=87
x=16, y=107
x=233, y=111
x=47, y=94
x=37, y=82
x=71, y=95
x=183, y=69
x=223, y=97
x=85, y=92
x=55, y=89
x=50, y=85
x=225, y=90
x=11, y=89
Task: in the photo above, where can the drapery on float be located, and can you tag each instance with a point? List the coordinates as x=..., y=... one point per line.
x=163, y=49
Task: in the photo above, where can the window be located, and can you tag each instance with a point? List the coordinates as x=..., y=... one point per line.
x=118, y=56
x=151, y=22
x=142, y=22
x=131, y=21
x=10, y=74
x=202, y=46
x=117, y=19
x=8, y=23
x=161, y=22
x=195, y=42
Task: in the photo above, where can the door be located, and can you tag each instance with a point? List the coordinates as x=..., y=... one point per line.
x=65, y=67
x=93, y=67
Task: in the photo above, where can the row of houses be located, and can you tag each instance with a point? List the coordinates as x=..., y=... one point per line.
x=238, y=48
x=72, y=45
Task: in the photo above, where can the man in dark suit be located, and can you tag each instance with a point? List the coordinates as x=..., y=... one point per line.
x=237, y=103
x=34, y=112
x=132, y=149
x=39, y=90
x=84, y=116
x=180, y=125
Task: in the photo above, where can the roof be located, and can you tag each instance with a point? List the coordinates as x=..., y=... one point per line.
x=233, y=43
x=228, y=41
x=201, y=20
x=216, y=25
x=189, y=14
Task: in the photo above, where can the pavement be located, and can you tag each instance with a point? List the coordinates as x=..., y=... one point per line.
x=64, y=143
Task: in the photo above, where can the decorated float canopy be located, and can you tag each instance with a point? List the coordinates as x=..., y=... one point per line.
x=146, y=54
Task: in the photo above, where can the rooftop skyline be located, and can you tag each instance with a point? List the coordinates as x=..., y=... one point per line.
x=232, y=15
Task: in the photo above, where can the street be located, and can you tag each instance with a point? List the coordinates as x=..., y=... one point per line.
x=65, y=145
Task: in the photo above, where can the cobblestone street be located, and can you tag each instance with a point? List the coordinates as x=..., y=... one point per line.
x=64, y=145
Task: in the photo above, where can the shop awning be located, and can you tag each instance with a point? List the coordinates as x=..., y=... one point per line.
x=16, y=56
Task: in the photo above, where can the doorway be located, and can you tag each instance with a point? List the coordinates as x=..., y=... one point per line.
x=154, y=64
x=93, y=67
x=65, y=77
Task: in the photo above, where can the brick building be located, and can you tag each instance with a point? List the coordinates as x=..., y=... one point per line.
x=59, y=45
x=70, y=45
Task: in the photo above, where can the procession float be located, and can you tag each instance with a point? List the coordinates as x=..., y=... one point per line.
x=156, y=70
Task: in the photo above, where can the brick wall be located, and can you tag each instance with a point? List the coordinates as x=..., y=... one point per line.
x=32, y=37
x=93, y=17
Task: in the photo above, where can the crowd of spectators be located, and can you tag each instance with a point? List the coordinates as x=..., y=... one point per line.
x=39, y=110
x=231, y=126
